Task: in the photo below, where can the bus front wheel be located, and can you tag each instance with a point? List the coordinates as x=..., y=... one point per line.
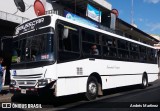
x=92, y=88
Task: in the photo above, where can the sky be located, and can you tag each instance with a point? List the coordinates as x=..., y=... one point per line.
x=146, y=13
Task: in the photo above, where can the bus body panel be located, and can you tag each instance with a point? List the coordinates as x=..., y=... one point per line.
x=113, y=74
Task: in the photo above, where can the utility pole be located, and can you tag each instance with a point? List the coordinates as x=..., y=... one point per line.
x=132, y=21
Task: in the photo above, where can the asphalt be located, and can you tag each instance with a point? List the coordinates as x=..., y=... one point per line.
x=6, y=97
x=4, y=94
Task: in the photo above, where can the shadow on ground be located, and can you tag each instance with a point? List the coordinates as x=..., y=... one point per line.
x=60, y=101
x=4, y=92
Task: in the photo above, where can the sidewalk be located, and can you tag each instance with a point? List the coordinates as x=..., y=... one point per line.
x=5, y=95
x=5, y=90
x=5, y=87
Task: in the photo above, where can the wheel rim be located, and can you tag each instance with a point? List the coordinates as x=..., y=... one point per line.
x=144, y=82
x=92, y=88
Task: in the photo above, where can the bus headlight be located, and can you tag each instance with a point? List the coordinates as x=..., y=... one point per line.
x=42, y=82
x=13, y=82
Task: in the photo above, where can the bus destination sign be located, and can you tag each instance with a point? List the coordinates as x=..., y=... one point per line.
x=33, y=24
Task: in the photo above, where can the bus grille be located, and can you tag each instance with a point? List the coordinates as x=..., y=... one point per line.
x=30, y=82
x=33, y=76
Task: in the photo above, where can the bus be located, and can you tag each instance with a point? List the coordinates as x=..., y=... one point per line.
x=59, y=56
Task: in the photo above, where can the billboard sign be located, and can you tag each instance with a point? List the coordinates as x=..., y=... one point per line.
x=79, y=19
x=93, y=13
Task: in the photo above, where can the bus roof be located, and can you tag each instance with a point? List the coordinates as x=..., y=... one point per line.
x=103, y=31
x=46, y=20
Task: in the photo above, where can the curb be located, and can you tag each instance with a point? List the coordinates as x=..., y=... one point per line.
x=6, y=87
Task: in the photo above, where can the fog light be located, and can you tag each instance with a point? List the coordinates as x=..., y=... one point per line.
x=42, y=82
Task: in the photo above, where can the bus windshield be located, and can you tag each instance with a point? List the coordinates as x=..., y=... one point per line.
x=33, y=49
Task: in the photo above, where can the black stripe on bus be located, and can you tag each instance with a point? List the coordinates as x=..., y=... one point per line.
x=103, y=75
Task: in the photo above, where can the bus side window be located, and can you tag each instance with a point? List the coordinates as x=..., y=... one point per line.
x=109, y=46
x=67, y=43
x=114, y=43
x=60, y=36
x=91, y=43
x=68, y=39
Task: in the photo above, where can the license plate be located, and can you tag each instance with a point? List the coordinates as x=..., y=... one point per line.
x=23, y=91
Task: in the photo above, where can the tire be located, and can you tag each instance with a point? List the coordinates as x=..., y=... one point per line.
x=92, y=88
x=144, y=81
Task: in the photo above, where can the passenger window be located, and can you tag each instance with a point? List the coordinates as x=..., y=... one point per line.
x=109, y=47
x=91, y=43
x=68, y=44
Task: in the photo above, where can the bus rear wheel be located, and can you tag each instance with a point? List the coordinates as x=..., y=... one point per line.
x=144, y=81
x=92, y=88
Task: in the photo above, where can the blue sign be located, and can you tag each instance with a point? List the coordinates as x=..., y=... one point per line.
x=93, y=13
x=79, y=19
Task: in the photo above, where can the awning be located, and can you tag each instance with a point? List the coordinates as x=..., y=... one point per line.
x=137, y=33
x=157, y=46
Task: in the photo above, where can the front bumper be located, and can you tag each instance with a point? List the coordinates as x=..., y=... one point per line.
x=24, y=90
x=32, y=90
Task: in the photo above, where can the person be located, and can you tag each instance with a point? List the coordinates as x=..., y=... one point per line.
x=1, y=73
x=94, y=50
x=113, y=43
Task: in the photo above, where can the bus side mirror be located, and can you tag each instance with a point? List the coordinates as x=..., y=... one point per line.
x=65, y=33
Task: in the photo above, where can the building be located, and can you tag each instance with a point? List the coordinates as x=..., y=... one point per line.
x=155, y=36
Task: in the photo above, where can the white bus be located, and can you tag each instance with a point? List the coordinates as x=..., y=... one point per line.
x=55, y=54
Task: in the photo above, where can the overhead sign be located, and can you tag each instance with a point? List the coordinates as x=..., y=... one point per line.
x=93, y=13
x=33, y=24
x=79, y=19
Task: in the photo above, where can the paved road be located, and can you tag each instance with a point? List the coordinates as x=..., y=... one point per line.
x=131, y=98
x=125, y=99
